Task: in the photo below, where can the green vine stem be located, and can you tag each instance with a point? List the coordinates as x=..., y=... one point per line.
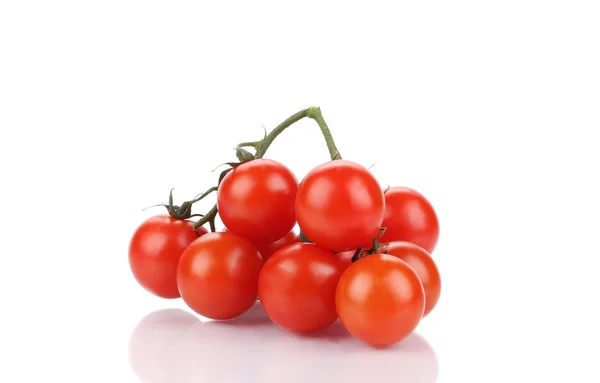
x=313, y=113
x=376, y=246
x=262, y=146
x=208, y=217
x=363, y=252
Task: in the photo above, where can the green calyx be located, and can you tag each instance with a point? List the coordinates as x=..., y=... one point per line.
x=362, y=252
x=185, y=210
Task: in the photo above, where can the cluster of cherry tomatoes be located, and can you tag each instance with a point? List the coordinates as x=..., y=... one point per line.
x=363, y=254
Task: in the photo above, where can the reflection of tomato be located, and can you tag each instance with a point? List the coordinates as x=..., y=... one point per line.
x=207, y=350
x=409, y=216
x=380, y=299
x=153, y=343
x=297, y=287
x=218, y=275
x=155, y=249
x=174, y=349
x=340, y=205
x=414, y=361
x=422, y=263
x=256, y=200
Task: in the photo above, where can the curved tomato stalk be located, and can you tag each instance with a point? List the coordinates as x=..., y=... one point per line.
x=312, y=113
x=261, y=147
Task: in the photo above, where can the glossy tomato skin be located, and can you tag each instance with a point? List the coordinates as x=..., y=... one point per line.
x=257, y=200
x=346, y=257
x=380, y=299
x=297, y=287
x=410, y=217
x=423, y=264
x=340, y=205
x=218, y=275
x=154, y=252
x=266, y=250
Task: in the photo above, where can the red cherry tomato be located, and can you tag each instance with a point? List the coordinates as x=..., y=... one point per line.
x=422, y=263
x=218, y=275
x=380, y=299
x=154, y=252
x=266, y=250
x=256, y=200
x=297, y=287
x=346, y=256
x=269, y=249
x=340, y=205
x=410, y=217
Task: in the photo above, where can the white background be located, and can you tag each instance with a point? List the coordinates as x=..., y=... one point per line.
x=491, y=109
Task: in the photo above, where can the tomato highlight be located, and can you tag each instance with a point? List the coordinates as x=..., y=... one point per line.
x=218, y=275
x=380, y=299
x=340, y=205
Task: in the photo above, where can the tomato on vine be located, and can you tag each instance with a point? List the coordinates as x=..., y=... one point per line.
x=380, y=299
x=380, y=292
x=217, y=275
x=340, y=205
x=297, y=287
x=410, y=217
x=423, y=264
x=154, y=252
x=266, y=250
x=256, y=200
x=157, y=244
x=346, y=256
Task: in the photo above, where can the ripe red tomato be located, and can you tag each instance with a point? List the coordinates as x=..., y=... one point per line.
x=297, y=287
x=154, y=252
x=409, y=216
x=422, y=263
x=269, y=249
x=218, y=275
x=380, y=299
x=340, y=205
x=256, y=200
x=346, y=257
x=266, y=250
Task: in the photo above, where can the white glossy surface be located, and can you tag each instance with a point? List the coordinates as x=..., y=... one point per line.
x=169, y=346
x=490, y=109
